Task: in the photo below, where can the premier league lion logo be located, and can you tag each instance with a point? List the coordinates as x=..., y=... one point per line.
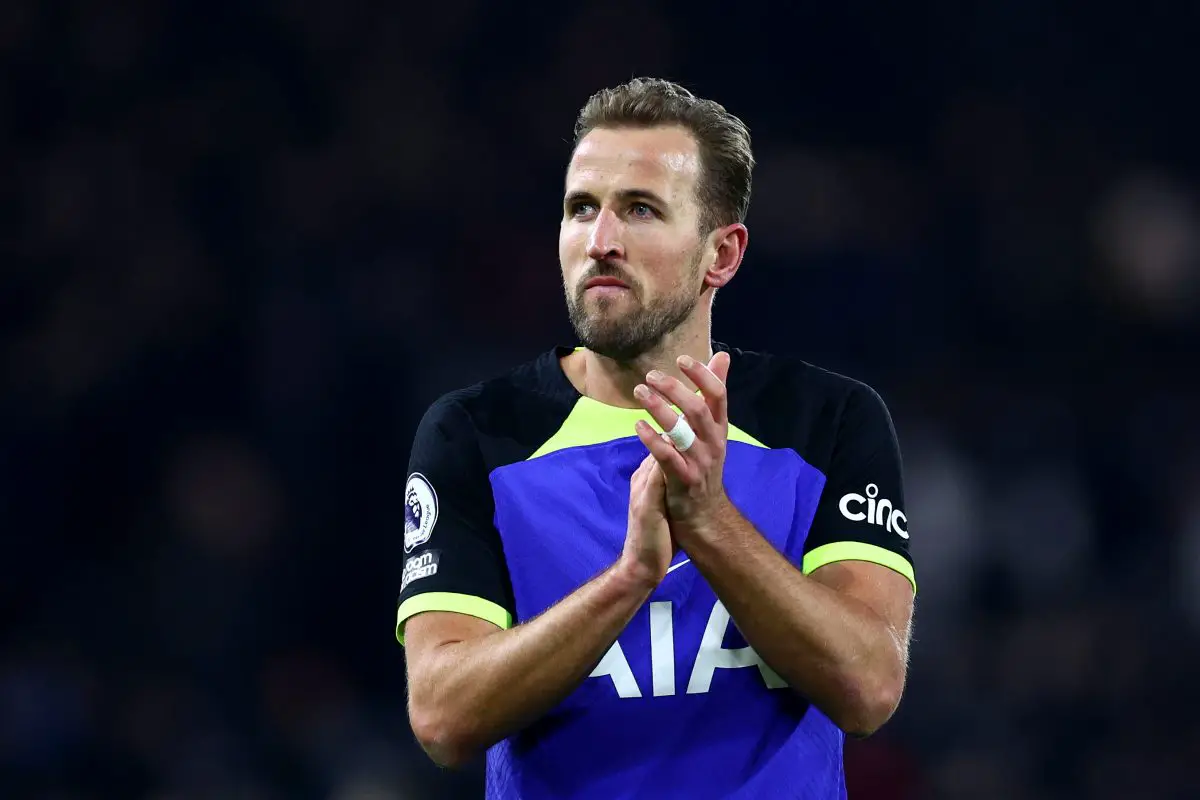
x=420, y=511
x=412, y=512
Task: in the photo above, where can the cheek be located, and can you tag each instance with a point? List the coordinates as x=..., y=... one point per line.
x=571, y=246
x=564, y=252
x=665, y=264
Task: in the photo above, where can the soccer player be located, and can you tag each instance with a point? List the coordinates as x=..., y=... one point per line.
x=652, y=565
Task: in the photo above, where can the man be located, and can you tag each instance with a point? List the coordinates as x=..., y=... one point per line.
x=655, y=566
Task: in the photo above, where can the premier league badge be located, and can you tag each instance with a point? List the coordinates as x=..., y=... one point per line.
x=420, y=511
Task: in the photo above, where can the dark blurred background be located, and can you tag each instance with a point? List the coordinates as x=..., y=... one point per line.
x=245, y=245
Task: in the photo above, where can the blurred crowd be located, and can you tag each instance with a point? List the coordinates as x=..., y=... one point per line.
x=246, y=244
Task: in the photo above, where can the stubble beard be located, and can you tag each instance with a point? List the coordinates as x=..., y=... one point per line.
x=625, y=336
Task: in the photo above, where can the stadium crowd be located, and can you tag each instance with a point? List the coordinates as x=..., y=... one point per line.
x=248, y=243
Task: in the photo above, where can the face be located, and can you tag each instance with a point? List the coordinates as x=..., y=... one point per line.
x=632, y=256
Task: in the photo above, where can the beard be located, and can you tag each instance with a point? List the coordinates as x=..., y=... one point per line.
x=626, y=333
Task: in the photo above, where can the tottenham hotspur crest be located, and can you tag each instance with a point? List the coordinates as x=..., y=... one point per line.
x=420, y=511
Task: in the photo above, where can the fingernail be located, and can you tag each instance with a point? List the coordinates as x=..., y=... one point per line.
x=641, y=392
x=654, y=375
x=686, y=362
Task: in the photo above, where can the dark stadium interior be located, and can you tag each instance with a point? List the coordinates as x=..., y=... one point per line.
x=246, y=244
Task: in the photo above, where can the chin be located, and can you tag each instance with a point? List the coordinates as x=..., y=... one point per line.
x=621, y=352
x=605, y=316
x=608, y=330
x=612, y=342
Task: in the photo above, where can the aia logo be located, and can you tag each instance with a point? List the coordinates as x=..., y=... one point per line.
x=857, y=508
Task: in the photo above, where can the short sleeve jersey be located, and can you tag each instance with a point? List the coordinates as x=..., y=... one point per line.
x=518, y=494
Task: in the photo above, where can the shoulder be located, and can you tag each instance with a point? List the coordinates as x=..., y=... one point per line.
x=789, y=384
x=498, y=401
x=790, y=402
x=520, y=408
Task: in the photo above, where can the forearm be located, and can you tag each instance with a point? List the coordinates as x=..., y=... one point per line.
x=480, y=690
x=833, y=649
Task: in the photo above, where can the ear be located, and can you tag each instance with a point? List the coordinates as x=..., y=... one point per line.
x=729, y=242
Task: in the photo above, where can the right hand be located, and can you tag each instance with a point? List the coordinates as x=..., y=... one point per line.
x=648, y=544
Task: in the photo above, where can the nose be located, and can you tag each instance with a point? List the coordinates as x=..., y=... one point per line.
x=604, y=240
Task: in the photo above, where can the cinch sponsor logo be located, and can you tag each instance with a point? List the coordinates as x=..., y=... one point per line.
x=876, y=512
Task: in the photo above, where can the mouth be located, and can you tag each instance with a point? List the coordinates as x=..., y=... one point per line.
x=605, y=283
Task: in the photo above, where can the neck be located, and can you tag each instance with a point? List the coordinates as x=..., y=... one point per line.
x=612, y=382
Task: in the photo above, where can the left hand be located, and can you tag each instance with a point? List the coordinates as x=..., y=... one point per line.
x=695, y=488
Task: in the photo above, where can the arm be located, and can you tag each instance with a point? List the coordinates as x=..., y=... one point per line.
x=838, y=636
x=837, y=631
x=471, y=684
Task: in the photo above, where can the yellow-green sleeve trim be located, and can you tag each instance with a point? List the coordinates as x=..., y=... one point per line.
x=858, y=551
x=449, y=601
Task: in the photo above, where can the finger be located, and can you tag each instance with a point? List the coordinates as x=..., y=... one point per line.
x=663, y=414
x=709, y=381
x=656, y=478
x=642, y=474
x=719, y=364
x=636, y=480
x=691, y=404
x=642, y=470
x=670, y=460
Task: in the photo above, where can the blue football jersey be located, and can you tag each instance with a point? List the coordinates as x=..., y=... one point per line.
x=518, y=494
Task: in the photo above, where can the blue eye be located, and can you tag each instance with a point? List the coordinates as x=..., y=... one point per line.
x=642, y=210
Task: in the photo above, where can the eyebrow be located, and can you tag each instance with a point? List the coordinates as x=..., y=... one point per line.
x=625, y=195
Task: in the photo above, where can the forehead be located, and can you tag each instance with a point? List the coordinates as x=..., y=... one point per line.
x=664, y=160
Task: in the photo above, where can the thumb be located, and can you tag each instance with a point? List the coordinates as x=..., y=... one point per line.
x=639, y=475
x=656, y=478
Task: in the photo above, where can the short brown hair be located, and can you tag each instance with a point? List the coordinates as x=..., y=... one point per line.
x=726, y=159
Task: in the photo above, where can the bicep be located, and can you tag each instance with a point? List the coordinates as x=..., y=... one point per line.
x=860, y=517
x=427, y=632
x=886, y=592
x=454, y=562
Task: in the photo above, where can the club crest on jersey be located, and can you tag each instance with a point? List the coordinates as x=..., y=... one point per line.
x=420, y=511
